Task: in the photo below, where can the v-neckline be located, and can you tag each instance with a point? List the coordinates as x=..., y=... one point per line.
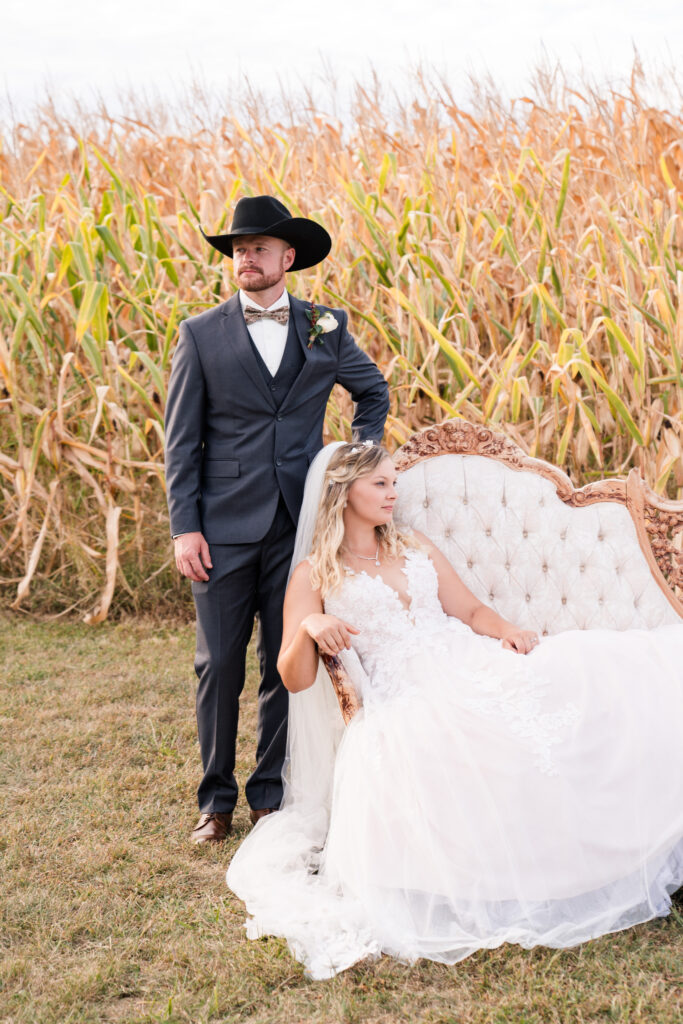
x=378, y=576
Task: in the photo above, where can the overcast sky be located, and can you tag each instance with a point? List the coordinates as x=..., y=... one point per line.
x=83, y=47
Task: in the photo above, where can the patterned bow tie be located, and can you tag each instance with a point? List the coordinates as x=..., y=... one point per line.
x=280, y=316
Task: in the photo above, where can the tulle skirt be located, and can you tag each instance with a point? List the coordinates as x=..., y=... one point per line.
x=491, y=798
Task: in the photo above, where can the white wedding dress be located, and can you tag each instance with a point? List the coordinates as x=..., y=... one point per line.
x=480, y=796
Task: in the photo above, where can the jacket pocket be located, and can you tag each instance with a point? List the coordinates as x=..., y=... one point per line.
x=221, y=467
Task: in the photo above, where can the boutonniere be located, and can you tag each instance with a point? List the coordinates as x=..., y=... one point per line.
x=320, y=324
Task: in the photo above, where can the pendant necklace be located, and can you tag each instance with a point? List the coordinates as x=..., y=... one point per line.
x=367, y=558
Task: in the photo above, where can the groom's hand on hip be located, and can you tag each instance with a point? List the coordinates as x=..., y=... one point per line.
x=192, y=556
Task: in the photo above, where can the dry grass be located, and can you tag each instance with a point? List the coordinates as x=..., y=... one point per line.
x=110, y=915
x=520, y=265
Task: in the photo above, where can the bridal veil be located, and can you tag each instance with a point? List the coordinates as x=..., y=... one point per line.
x=275, y=869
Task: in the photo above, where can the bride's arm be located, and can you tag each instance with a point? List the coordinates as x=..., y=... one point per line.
x=457, y=600
x=306, y=630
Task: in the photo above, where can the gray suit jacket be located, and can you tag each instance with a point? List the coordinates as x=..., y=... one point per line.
x=230, y=451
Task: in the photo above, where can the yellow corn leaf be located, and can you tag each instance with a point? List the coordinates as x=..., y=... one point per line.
x=23, y=588
x=590, y=434
x=566, y=434
x=99, y=612
x=665, y=172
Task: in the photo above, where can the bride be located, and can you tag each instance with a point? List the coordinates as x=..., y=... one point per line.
x=491, y=789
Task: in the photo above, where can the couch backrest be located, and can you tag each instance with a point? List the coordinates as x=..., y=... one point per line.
x=519, y=547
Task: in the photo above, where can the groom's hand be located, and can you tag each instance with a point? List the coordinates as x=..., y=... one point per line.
x=192, y=556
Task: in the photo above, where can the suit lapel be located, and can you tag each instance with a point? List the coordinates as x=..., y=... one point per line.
x=301, y=322
x=240, y=344
x=302, y=326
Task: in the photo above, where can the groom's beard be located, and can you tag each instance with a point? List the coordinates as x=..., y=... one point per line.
x=257, y=281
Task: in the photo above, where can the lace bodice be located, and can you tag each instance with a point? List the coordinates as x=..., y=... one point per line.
x=390, y=632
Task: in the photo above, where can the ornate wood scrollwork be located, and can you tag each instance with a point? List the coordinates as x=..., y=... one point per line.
x=659, y=523
x=458, y=437
x=664, y=528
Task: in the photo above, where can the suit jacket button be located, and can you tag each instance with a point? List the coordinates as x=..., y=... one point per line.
x=273, y=387
x=278, y=462
x=279, y=416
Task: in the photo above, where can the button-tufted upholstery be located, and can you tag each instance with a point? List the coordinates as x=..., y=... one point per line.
x=539, y=562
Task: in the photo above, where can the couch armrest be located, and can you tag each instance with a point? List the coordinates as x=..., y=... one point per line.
x=349, y=701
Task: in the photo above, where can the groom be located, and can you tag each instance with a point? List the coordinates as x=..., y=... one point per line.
x=244, y=417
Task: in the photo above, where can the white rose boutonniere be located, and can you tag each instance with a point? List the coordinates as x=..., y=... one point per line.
x=320, y=324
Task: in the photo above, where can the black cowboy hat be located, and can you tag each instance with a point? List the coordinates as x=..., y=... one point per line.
x=263, y=215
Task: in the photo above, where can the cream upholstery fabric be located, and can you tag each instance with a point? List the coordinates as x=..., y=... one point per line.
x=518, y=547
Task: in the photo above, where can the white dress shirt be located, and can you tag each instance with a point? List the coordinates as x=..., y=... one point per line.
x=269, y=337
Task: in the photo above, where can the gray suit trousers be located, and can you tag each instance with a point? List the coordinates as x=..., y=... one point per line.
x=245, y=579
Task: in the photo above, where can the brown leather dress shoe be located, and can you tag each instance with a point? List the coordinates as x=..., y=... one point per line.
x=261, y=813
x=212, y=827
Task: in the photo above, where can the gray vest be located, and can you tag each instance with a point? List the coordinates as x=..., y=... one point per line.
x=289, y=368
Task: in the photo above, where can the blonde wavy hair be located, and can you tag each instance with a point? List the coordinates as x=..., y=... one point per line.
x=349, y=463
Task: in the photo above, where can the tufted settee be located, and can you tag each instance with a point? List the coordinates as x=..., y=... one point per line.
x=543, y=554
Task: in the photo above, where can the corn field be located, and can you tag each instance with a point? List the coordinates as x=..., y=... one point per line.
x=518, y=265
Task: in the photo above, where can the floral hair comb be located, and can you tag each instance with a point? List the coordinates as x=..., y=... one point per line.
x=359, y=447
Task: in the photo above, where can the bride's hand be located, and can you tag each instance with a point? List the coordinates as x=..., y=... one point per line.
x=331, y=634
x=520, y=640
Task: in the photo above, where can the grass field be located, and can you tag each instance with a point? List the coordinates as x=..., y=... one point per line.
x=109, y=914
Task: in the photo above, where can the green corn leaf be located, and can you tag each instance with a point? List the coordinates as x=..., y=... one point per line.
x=139, y=390
x=93, y=307
x=622, y=341
x=113, y=246
x=37, y=439
x=617, y=404
x=154, y=372
x=79, y=259
x=21, y=293
x=564, y=186
x=92, y=351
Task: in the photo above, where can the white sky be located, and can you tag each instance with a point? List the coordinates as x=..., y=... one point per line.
x=80, y=48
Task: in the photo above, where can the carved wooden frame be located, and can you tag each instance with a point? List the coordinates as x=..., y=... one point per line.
x=658, y=521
